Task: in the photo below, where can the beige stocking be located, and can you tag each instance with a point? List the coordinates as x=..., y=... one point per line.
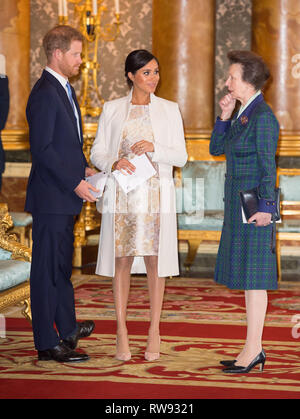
x=121, y=286
x=156, y=287
x=256, y=307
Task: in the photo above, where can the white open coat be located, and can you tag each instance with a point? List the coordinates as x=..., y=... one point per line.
x=170, y=150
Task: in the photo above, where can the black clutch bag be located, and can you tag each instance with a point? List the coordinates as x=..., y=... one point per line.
x=249, y=201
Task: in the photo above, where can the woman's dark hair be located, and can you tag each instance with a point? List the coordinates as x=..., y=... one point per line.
x=136, y=60
x=255, y=71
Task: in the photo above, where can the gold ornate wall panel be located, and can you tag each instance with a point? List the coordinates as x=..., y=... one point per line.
x=276, y=37
x=183, y=41
x=15, y=46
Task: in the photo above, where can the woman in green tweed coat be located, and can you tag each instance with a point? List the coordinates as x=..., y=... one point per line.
x=249, y=140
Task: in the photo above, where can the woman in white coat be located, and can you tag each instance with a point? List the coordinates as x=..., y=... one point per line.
x=139, y=230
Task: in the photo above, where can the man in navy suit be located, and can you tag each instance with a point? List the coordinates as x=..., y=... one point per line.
x=4, y=107
x=55, y=193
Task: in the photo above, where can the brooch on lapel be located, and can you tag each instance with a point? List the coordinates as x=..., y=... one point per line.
x=244, y=120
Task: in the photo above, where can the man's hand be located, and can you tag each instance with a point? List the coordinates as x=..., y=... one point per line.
x=90, y=172
x=83, y=191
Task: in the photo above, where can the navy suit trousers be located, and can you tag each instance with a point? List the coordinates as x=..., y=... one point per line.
x=51, y=289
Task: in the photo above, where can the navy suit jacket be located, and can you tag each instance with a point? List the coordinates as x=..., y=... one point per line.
x=4, y=106
x=58, y=162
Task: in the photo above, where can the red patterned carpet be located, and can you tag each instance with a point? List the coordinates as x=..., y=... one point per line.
x=201, y=324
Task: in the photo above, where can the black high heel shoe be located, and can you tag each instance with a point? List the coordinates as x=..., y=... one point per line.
x=237, y=369
x=228, y=363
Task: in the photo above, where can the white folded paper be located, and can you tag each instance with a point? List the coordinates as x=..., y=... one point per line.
x=98, y=181
x=144, y=170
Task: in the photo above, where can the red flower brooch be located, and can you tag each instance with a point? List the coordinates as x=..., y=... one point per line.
x=244, y=120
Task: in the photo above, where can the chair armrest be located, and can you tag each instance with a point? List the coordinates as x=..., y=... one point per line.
x=9, y=241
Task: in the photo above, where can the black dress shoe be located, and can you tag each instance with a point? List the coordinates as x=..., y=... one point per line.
x=228, y=363
x=260, y=359
x=84, y=330
x=61, y=353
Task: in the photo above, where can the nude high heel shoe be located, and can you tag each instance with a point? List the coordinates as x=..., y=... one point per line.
x=152, y=356
x=122, y=356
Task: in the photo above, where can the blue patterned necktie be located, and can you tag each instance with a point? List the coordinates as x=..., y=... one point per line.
x=73, y=107
x=70, y=97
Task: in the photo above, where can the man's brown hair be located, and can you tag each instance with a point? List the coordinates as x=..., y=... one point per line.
x=60, y=37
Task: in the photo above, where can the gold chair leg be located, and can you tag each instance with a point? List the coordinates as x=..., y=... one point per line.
x=26, y=311
x=79, y=240
x=193, y=247
x=278, y=257
x=30, y=237
x=77, y=257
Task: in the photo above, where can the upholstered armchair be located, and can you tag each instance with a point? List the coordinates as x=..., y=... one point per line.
x=195, y=226
x=288, y=231
x=15, y=262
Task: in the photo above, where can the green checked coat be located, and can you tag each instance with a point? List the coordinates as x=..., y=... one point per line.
x=245, y=259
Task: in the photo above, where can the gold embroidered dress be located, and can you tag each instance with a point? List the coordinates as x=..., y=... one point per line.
x=137, y=212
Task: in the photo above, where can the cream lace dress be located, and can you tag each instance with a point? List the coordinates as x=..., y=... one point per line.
x=137, y=212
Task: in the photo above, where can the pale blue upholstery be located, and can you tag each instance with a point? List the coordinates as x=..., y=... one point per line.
x=21, y=219
x=290, y=188
x=4, y=254
x=22, y=222
x=200, y=204
x=191, y=217
x=290, y=191
x=213, y=175
x=14, y=265
x=289, y=226
x=13, y=272
x=210, y=221
x=213, y=220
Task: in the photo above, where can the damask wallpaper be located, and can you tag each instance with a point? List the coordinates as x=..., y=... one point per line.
x=135, y=33
x=233, y=31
